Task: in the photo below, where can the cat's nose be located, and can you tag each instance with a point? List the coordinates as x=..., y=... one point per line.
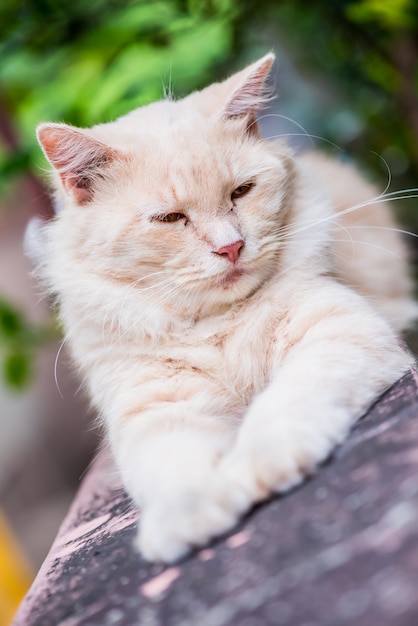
x=232, y=250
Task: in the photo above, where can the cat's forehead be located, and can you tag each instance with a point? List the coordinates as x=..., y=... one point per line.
x=180, y=152
x=169, y=139
x=159, y=117
x=164, y=122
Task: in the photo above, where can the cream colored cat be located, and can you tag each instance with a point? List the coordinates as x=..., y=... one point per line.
x=201, y=274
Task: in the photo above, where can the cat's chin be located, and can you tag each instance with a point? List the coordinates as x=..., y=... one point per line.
x=232, y=277
x=235, y=285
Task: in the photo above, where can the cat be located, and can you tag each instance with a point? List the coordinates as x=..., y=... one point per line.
x=232, y=307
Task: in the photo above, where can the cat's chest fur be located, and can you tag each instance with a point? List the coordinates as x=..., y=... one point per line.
x=235, y=348
x=230, y=353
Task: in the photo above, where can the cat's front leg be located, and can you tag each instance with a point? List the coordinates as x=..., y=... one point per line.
x=344, y=356
x=168, y=456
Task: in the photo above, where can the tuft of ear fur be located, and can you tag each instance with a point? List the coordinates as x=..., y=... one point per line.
x=77, y=157
x=249, y=89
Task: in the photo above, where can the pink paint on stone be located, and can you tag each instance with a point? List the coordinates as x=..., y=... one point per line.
x=83, y=529
x=94, y=493
x=206, y=555
x=239, y=539
x=161, y=583
x=119, y=523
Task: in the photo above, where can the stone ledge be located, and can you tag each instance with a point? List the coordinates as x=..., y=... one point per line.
x=341, y=549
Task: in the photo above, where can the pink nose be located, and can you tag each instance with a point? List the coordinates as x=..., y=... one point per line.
x=231, y=250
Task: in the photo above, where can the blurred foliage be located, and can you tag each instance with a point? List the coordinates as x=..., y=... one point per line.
x=391, y=14
x=86, y=62
x=19, y=341
x=365, y=54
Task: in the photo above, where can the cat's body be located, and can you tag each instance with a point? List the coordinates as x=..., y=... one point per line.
x=196, y=270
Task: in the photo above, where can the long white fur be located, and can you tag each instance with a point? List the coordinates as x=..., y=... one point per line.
x=220, y=383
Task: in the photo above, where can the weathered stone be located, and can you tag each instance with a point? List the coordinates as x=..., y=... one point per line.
x=340, y=549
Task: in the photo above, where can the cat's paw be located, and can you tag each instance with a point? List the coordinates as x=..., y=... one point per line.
x=189, y=516
x=275, y=456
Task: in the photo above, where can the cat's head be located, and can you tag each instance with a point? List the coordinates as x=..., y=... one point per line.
x=181, y=201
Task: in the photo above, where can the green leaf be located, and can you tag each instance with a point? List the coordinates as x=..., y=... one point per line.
x=392, y=14
x=10, y=321
x=17, y=369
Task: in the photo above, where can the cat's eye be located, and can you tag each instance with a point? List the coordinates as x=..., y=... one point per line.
x=171, y=217
x=242, y=190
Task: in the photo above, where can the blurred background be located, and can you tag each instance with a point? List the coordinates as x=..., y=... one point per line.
x=347, y=80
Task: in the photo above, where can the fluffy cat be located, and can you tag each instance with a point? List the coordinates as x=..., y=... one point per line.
x=230, y=312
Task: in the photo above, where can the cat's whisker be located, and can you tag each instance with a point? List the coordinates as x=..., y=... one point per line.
x=56, y=366
x=63, y=342
x=288, y=119
x=403, y=194
x=369, y=244
x=389, y=173
x=133, y=293
x=78, y=389
x=136, y=282
x=308, y=136
x=393, y=193
x=338, y=226
x=387, y=228
x=391, y=197
x=132, y=290
x=304, y=132
x=307, y=224
x=168, y=89
x=160, y=302
x=350, y=239
x=283, y=230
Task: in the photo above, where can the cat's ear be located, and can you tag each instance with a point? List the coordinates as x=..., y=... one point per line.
x=78, y=158
x=249, y=90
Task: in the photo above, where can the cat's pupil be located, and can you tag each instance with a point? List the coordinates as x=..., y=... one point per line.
x=241, y=190
x=172, y=217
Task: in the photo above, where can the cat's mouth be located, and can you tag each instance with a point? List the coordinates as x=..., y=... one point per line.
x=230, y=278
